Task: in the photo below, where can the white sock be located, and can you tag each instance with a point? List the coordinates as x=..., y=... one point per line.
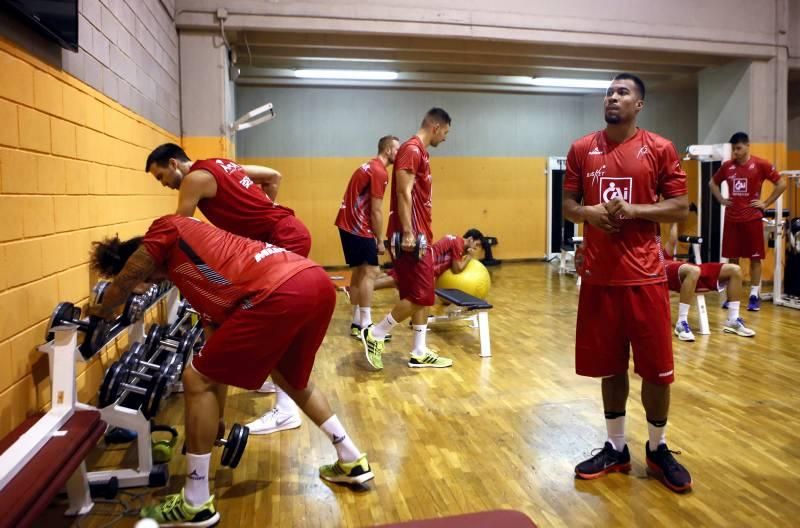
x=283, y=402
x=657, y=433
x=616, y=432
x=356, y=315
x=683, y=312
x=420, y=331
x=346, y=450
x=380, y=330
x=754, y=290
x=733, y=310
x=196, y=489
x=366, y=316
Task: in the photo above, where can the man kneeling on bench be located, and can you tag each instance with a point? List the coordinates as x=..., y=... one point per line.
x=264, y=310
x=449, y=253
x=686, y=279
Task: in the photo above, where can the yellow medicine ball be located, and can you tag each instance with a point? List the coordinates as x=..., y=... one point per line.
x=474, y=280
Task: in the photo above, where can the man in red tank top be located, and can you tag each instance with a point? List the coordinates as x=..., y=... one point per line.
x=264, y=309
x=241, y=200
x=410, y=216
x=621, y=183
x=360, y=223
x=743, y=236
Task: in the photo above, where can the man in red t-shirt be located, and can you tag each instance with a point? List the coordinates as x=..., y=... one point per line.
x=241, y=200
x=449, y=253
x=686, y=279
x=410, y=215
x=264, y=309
x=743, y=235
x=360, y=223
x=613, y=183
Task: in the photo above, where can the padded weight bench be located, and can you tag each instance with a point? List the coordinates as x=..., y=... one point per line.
x=470, y=308
x=489, y=519
x=59, y=462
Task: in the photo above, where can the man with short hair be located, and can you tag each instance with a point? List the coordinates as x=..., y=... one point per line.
x=613, y=182
x=264, y=310
x=410, y=217
x=686, y=278
x=449, y=253
x=360, y=223
x=743, y=236
x=241, y=200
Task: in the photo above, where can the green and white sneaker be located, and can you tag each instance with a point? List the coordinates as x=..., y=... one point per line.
x=373, y=348
x=340, y=472
x=737, y=327
x=175, y=511
x=429, y=359
x=355, y=331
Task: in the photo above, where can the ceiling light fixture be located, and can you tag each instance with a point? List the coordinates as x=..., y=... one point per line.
x=563, y=82
x=352, y=75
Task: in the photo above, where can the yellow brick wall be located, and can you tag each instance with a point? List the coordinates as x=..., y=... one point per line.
x=71, y=165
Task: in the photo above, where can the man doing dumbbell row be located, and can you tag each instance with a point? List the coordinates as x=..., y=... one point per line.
x=239, y=199
x=410, y=218
x=266, y=310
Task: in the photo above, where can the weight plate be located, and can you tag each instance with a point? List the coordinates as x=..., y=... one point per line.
x=243, y=433
x=63, y=312
x=156, y=390
x=96, y=336
x=110, y=388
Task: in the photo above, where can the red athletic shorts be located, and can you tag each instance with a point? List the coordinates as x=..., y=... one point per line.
x=291, y=234
x=743, y=240
x=414, y=277
x=709, y=276
x=283, y=332
x=613, y=319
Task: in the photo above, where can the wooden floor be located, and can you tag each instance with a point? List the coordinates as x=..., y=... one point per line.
x=506, y=432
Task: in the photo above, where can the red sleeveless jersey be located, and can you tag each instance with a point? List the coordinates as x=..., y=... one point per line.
x=413, y=157
x=219, y=272
x=240, y=205
x=640, y=171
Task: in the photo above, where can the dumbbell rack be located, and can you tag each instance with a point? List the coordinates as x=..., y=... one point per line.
x=117, y=415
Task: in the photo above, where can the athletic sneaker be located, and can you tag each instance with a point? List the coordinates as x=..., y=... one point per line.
x=429, y=359
x=683, y=331
x=663, y=466
x=268, y=387
x=373, y=348
x=273, y=421
x=604, y=460
x=340, y=472
x=737, y=327
x=175, y=511
x=755, y=304
x=355, y=331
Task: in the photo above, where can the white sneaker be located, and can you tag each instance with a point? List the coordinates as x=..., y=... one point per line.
x=737, y=327
x=268, y=386
x=683, y=331
x=274, y=421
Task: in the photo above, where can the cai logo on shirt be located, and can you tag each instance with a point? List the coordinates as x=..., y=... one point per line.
x=740, y=186
x=611, y=188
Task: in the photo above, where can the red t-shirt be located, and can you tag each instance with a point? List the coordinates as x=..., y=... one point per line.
x=639, y=170
x=367, y=182
x=744, y=186
x=413, y=157
x=445, y=250
x=240, y=205
x=219, y=272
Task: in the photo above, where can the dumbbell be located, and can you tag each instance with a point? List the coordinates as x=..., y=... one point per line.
x=233, y=446
x=134, y=306
x=420, y=245
x=159, y=337
x=115, y=382
x=133, y=359
x=95, y=329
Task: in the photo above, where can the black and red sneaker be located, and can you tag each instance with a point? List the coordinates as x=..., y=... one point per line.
x=662, y=465
x=606, y=460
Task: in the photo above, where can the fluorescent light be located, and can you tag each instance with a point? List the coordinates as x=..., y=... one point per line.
x=563, y=82
x=357, y=75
